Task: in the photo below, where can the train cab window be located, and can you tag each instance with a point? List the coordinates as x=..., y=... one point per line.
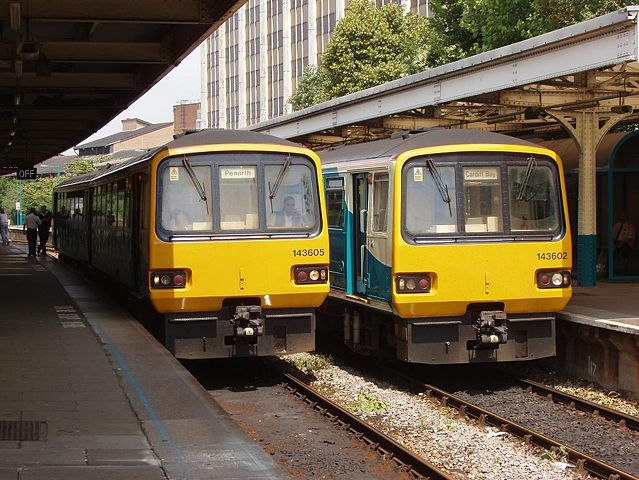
x=482, y=199
x=533, y=199
x=186, y=200
x=430, y=201
x=289, y=196
x=238, y=197
x=335, y=205
x=380, y=201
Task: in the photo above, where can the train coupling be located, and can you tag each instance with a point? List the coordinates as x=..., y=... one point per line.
x=491, y=328
x=247, y=321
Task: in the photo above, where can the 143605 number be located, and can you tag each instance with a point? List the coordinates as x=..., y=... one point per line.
x=308, y=252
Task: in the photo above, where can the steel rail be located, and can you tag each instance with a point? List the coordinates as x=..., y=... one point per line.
x=557, y=396
x=582, y=461
x=407, y=460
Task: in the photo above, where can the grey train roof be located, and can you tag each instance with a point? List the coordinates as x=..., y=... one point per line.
x=203, y=137
x=397, y=144
x=219, y=135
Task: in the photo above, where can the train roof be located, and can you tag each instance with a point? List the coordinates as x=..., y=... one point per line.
x=109, y=169
x=203, y=137
x=220, y=136
x=391, y=147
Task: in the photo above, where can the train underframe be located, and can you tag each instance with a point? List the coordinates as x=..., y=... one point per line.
x=484, y=334
x=239, y=331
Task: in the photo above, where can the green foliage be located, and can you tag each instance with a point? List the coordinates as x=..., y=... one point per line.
x=311, y=89
x=461, y=28
x=311, y=363
x=370, y=46
x=452, y=35
x=368, y=403
x=550, y=15
x=36, y=193
x=79, y=166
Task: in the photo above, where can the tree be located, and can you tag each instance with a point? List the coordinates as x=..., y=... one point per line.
x=553, y=14
x=372, y=46
x=79, y=166
x=369, y=47
x=311, y=89
x=451, y=34
x=462, y=28
x=36, y=193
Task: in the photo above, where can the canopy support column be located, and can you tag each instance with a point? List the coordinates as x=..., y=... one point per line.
x=587, y=128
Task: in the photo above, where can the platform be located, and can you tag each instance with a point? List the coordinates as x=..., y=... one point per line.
x=88, y=394
x=598, y=335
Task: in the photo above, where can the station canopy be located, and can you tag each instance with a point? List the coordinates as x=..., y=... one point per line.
x=527, y=88
x=68, y=67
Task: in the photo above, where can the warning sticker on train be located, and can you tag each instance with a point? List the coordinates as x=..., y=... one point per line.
x=174, y=174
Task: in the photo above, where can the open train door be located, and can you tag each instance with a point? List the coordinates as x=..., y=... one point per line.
x=360, y=205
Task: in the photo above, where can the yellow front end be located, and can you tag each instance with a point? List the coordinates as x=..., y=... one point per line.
x=482, y=273
x=227, y=274
x=221, y=270
x=472, y=278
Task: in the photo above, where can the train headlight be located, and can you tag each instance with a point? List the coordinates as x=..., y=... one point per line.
x=168, y=279
x=310, y=274
x=413, y=283
x=553, y=279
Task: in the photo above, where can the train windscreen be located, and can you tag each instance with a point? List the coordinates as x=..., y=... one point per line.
x=224, y=193
x=473, y=195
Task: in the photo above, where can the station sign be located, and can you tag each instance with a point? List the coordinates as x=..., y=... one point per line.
x=27, y=174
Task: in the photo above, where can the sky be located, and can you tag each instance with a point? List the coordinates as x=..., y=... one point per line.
x=156, y=105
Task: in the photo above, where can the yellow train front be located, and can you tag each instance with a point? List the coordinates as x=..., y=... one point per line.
x=227, y=241
x=448, y=246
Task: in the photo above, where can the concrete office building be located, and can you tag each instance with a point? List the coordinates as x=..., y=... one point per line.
x=252, y=63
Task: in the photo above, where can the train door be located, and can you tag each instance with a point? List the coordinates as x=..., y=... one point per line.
x=360, y=205
x=139, y=232
x=337, y=230
x=378, y=238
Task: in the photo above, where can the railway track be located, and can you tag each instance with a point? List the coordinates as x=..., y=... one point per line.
x=583, y=462
x=418, y=467
x=556, y=396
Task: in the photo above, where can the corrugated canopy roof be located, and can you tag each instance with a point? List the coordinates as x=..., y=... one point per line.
x=67, y=68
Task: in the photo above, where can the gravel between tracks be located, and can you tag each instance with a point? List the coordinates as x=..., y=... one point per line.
x=436, y=433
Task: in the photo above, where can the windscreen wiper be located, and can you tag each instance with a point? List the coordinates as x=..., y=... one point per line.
x=532, y=163
x=439, y=183
x=199, y=188
x=278, y=181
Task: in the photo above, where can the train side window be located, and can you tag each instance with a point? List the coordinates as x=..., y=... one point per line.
x=335, y=201
x=119, y=218
x=144, y=205
x=380, y=201
x=238, y=197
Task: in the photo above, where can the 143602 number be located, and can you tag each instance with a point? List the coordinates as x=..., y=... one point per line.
x=552, y=256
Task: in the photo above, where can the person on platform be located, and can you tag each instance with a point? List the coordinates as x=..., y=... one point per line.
x=624, y=234
x=4, y=227
x=31, y=224
x=43, y=229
